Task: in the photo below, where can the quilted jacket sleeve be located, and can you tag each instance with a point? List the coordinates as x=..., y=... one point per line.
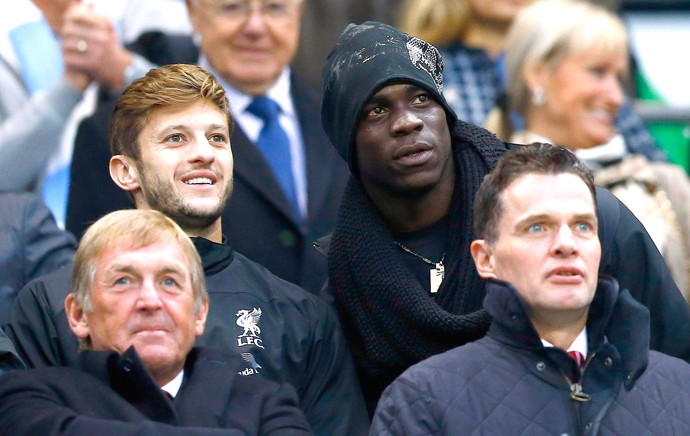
x=406, y=408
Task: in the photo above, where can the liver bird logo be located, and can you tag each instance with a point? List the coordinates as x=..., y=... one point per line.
x=248, y=321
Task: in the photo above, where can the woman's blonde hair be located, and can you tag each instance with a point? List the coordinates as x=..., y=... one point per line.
x=545, y=33
x=439, y=22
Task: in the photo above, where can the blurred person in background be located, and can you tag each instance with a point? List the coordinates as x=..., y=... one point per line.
x=50, y=51
x=565, y=61
x=31, y=245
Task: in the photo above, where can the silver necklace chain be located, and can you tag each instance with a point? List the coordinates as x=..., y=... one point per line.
x=407, y=250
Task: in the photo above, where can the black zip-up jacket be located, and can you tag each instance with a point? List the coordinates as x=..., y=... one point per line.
x=282, y=332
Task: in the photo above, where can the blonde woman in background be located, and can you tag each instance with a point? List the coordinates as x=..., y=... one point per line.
x=471, y=35
x=565, y=61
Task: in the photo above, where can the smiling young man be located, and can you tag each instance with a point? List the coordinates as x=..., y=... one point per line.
x=400, y=271
x=170, y=141
x=567, y=351
x=139, y=302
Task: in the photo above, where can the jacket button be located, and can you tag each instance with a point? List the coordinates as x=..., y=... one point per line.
x=541, y=366
x=588, y=426
x=127, y=365
x=608, y=362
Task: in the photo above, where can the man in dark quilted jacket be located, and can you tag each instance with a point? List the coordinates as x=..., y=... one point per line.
x=567, y=351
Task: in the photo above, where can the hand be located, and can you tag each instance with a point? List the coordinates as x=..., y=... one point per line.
x=77, y=79
x=90, y=46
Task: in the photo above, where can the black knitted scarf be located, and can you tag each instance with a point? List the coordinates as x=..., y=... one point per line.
x=390, y=320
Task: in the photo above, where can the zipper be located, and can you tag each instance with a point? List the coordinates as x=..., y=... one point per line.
x=578, y=396
x=576, y=392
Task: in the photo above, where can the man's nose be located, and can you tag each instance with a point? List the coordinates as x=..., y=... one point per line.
x=256, y=18
x=405, y=121
x=202, y=150
x=564, y=243
x=149, y=298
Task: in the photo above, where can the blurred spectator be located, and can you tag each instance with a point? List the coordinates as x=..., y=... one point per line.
x=32, y=245
x=565, y=61
x=276, y=211
x=49, y=52
x=470, y=35
x=324, y=21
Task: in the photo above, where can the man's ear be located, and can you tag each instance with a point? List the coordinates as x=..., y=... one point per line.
x=483, y=258
x=200, y=318
x=124, y=172
x=77, y=318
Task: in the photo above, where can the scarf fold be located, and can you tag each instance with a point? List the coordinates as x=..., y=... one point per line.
x=390, y=320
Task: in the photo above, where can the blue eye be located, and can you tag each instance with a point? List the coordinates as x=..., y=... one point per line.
x=583, y=227
x=169, y=282
x=535, y=228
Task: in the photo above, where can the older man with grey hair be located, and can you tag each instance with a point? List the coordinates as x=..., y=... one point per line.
x=138, y=304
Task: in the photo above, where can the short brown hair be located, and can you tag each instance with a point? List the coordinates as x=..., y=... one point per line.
x=536, y=158
x=170, y=85
x=134, y=228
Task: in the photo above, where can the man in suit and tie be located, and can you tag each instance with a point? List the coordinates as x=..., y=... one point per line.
x=137, y=304
x=288, y=180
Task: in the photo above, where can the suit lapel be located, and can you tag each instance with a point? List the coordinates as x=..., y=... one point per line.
x=316, y=147
x=126, y=375
x=251, y=167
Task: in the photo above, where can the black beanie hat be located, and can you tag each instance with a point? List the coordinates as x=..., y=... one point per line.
x=365, y=58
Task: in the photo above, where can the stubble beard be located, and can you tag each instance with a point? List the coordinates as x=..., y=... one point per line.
x=162, y=196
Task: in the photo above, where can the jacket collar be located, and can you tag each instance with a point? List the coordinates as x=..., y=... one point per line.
x=214, y=257
x=127, y=376
x=614, y=317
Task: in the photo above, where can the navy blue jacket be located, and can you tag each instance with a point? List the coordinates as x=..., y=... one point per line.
x=509, y=383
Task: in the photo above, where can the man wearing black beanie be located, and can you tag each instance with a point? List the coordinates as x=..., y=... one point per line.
x=400, y=272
